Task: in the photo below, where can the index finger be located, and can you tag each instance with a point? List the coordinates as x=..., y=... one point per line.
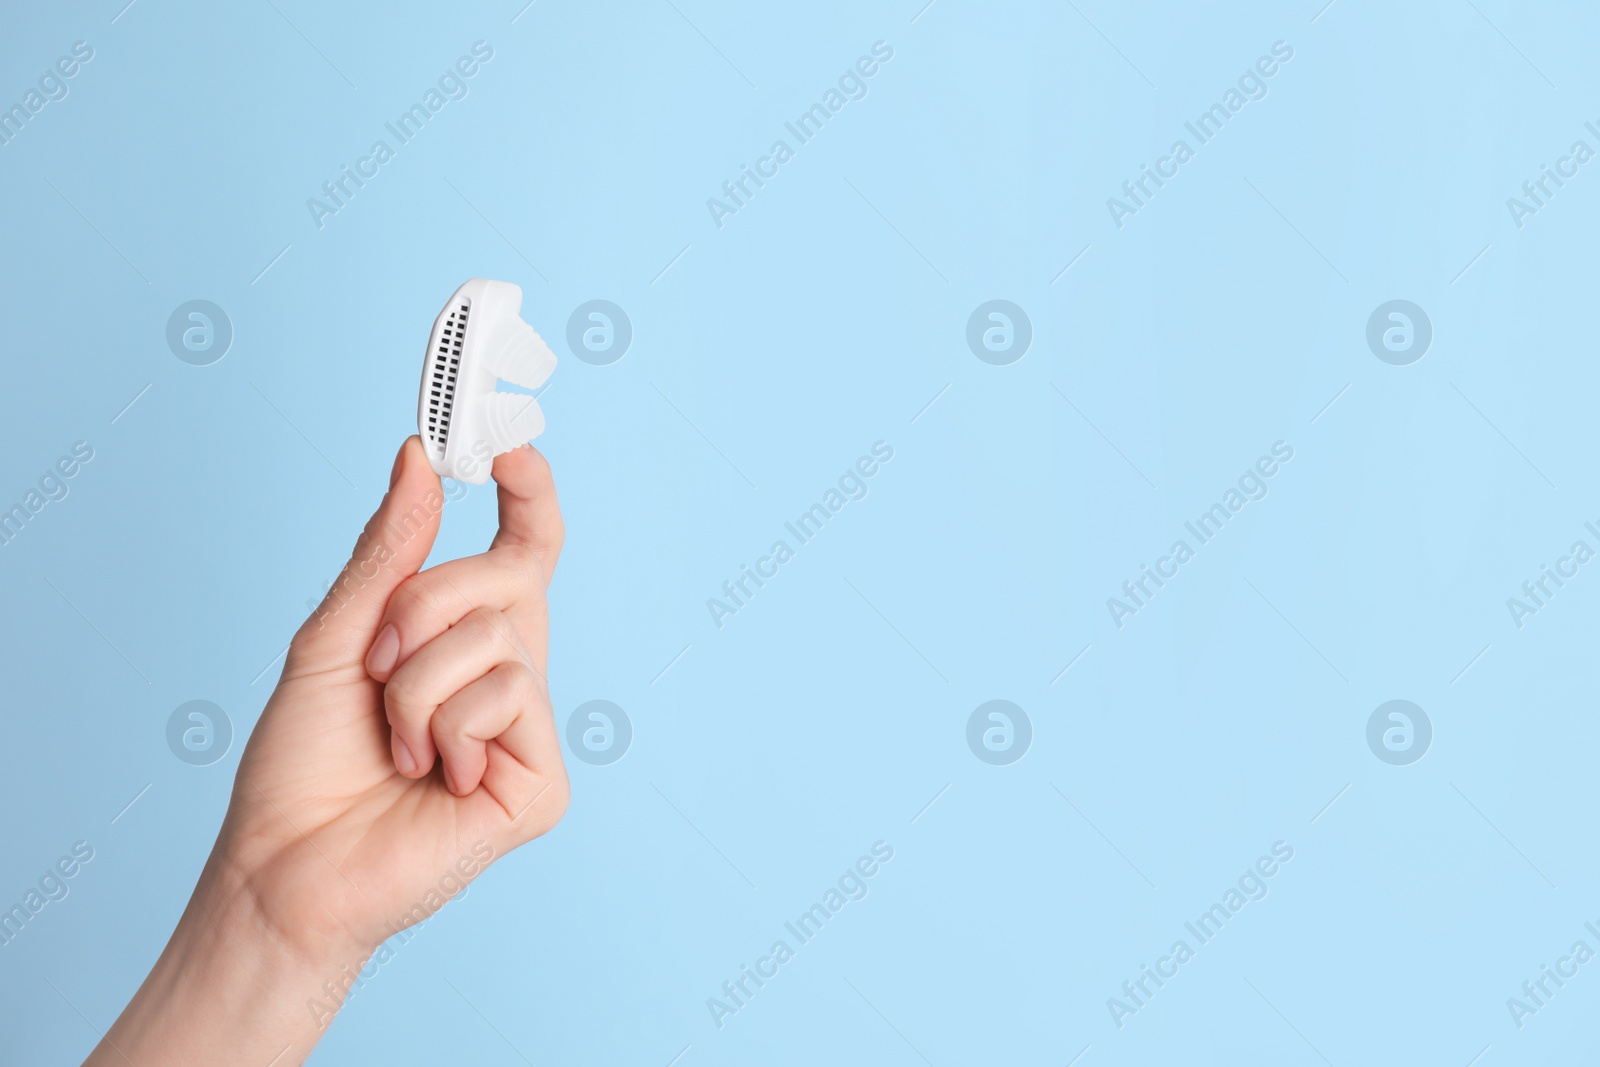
x=530, y=515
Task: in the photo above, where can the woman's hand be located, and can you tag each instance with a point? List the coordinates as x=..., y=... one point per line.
x=412, y=720
x=409, y=740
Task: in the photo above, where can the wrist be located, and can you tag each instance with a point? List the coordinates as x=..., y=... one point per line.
x=232, y=985
x=286, y=893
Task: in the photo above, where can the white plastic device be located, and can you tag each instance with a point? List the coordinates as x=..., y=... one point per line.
x=464, y=419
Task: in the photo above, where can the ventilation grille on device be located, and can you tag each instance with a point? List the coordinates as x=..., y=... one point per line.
x=446, y=367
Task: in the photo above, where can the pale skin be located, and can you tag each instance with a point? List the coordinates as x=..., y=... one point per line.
x=411, y=730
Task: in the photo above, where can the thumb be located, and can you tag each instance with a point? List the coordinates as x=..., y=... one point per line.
x=392, y=547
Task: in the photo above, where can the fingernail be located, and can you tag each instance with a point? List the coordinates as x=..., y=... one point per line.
x=449, y=780
x=404, y=761
x=385, y=650
x=399, y=458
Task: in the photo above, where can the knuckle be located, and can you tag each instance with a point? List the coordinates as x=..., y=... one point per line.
x=554, y=800
x=561, y=798
x=518, y=556
x=449, y=730
x=538, y=576
x=484, y=624
x=403, y=700
x=526, y=565
x=521, y=684
x=554, y=533
x=303, y=638
x=415, y=599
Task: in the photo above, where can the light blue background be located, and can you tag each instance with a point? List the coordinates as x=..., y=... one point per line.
x=1223, y=317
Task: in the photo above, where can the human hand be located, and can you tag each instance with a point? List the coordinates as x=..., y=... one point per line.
x=412, y=719
x=410, y=739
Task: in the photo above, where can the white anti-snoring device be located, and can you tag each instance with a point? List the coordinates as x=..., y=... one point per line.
x=464, y=419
